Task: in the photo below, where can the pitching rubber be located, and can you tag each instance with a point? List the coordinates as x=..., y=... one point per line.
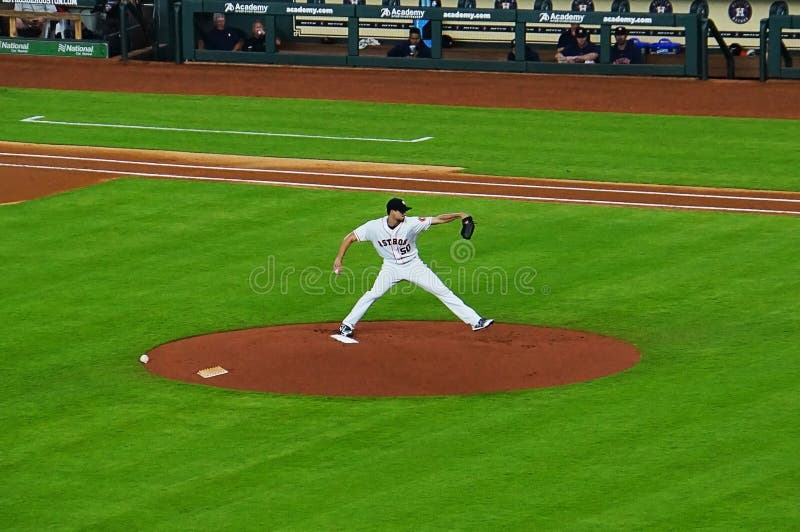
x=344, y=339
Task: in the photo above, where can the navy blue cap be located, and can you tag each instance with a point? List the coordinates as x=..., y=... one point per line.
x=396, y=204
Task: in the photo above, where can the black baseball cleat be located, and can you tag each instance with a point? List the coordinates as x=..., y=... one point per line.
x=345, y=330
x=482, y=324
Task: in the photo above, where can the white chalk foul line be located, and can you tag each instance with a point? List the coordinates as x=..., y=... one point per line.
x=409, y=179
x=404, y=191
x=40, y=120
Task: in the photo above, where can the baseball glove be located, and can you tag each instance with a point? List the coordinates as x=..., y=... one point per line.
x=467, y=227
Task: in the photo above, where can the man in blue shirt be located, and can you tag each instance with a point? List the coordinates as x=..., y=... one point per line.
x=221, y=37
x=624, y=52
x=583, y=51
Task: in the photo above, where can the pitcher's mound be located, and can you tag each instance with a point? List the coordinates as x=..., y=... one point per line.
x=393, y=358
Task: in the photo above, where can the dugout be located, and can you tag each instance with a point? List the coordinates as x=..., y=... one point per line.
x=349, y=25
x=714, y=39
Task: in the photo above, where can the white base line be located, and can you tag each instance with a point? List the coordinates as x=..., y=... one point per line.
x=398, y=178
x=401, y=190
x=40, y=120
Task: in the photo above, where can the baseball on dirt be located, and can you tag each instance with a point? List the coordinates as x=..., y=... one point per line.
x=144, y=359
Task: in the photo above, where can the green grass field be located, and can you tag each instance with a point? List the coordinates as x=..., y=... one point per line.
x=679, y=150
x=702, y=433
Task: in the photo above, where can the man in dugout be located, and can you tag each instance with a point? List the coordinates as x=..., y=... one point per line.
x=624, y=52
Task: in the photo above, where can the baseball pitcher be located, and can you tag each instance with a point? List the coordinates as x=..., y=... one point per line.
x=395, y=239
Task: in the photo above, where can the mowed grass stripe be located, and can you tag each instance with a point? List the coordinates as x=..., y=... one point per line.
x=677, y=150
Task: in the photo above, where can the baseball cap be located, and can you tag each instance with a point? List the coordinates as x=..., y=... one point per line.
x=218, y=15
x=620, y=30
x=582, y=32
x=396, y=204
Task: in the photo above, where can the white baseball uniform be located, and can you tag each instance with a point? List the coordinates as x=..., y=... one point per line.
x=401, y=262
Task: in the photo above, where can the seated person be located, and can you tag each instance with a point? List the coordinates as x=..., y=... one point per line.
x=624, y=52
x=414, y=46
x=583, y=51
x=33, y=27
x=257, y=41
x=505, y=4
x=566, y=38
x=221, y=37
x=530, y=53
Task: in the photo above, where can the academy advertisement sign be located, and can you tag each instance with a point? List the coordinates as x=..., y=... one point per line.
x=458, y=15
x=402, y=13
x=566, y=18
x=578, y=18
x=309, y=11
x=246, y=9
x=623, y=19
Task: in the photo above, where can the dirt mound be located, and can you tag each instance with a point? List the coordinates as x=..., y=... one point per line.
x=394, y=358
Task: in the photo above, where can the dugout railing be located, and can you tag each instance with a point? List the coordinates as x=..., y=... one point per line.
x=775, y=60
x=521, y=23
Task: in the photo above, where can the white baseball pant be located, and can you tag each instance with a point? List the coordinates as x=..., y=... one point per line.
x=418, y=273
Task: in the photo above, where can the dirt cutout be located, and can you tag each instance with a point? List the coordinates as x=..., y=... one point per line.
x=394, y=358
x=30, y=171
